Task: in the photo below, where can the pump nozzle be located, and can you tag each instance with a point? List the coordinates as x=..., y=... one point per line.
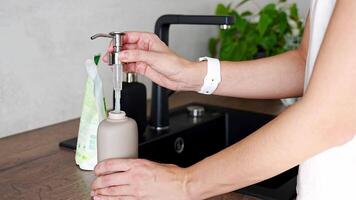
x=101, y=35
x=117, y=38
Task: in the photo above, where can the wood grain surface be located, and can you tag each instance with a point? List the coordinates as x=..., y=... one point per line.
x=34, y=167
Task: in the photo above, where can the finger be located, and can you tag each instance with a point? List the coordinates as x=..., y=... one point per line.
x=124, y=47
x=145, y=40
x=126, y=67
x=148, y=57
x=112, y=165
x=105, y=58
x=122, y=190
x=137, y=67
x=129, y=46
x=130, y=67
x=134, y=37
x=111, y=47
x=143, y=69
x=116, y=179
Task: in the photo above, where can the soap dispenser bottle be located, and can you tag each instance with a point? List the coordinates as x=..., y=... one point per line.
x=117, y=137
x=133, y=101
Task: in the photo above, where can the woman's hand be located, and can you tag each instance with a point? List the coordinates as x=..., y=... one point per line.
x=139, y=179
x=146, y=54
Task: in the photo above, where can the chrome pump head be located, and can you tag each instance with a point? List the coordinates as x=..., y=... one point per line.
x=117, y=40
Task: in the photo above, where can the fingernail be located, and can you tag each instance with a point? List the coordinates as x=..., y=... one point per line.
x=96, y=198
x=105, y=58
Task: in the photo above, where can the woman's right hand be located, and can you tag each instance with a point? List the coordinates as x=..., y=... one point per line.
x=144, y=53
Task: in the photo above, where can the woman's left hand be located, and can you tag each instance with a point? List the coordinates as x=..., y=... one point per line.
x=139, y=179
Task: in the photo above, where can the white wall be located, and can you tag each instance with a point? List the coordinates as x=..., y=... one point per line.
x=43, y=44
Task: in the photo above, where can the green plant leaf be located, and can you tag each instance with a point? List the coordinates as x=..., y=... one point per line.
x=212, y=46
x=264, y=23
x=221, y=9
x=226, y=47
x=293, y=9
x=239, y=51
x=282, y=26
x=241, y=24
x=246, y=14
x=234, y=13
x=247, y=39
x=269, y=9
x=269, y=42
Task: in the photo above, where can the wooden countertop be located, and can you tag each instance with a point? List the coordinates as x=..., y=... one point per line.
x=32, y=166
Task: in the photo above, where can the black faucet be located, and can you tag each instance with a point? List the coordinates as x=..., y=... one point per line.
x=159, y=118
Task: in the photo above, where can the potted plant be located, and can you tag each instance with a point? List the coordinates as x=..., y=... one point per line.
x=274, y=29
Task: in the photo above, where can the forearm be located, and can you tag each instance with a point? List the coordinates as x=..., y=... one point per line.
x=267, y=78
x=280, y=145
x=273, y=77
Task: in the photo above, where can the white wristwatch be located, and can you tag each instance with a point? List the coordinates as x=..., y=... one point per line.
x=213, y=75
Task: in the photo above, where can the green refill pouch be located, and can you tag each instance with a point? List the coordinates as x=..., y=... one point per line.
x=93, y=112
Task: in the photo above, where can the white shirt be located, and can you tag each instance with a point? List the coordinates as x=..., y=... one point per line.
x=332, y=173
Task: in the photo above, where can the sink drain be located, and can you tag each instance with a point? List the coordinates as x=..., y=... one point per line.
x=179, y=145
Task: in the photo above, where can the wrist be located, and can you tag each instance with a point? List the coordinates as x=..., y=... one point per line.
x=195, y=77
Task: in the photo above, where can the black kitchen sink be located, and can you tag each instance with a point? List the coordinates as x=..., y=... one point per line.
x=191, y=139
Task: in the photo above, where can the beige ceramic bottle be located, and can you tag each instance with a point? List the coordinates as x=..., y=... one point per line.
x=117, y=137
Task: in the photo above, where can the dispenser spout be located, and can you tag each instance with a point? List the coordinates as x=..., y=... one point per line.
x=117, y=40
x=101, y=35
